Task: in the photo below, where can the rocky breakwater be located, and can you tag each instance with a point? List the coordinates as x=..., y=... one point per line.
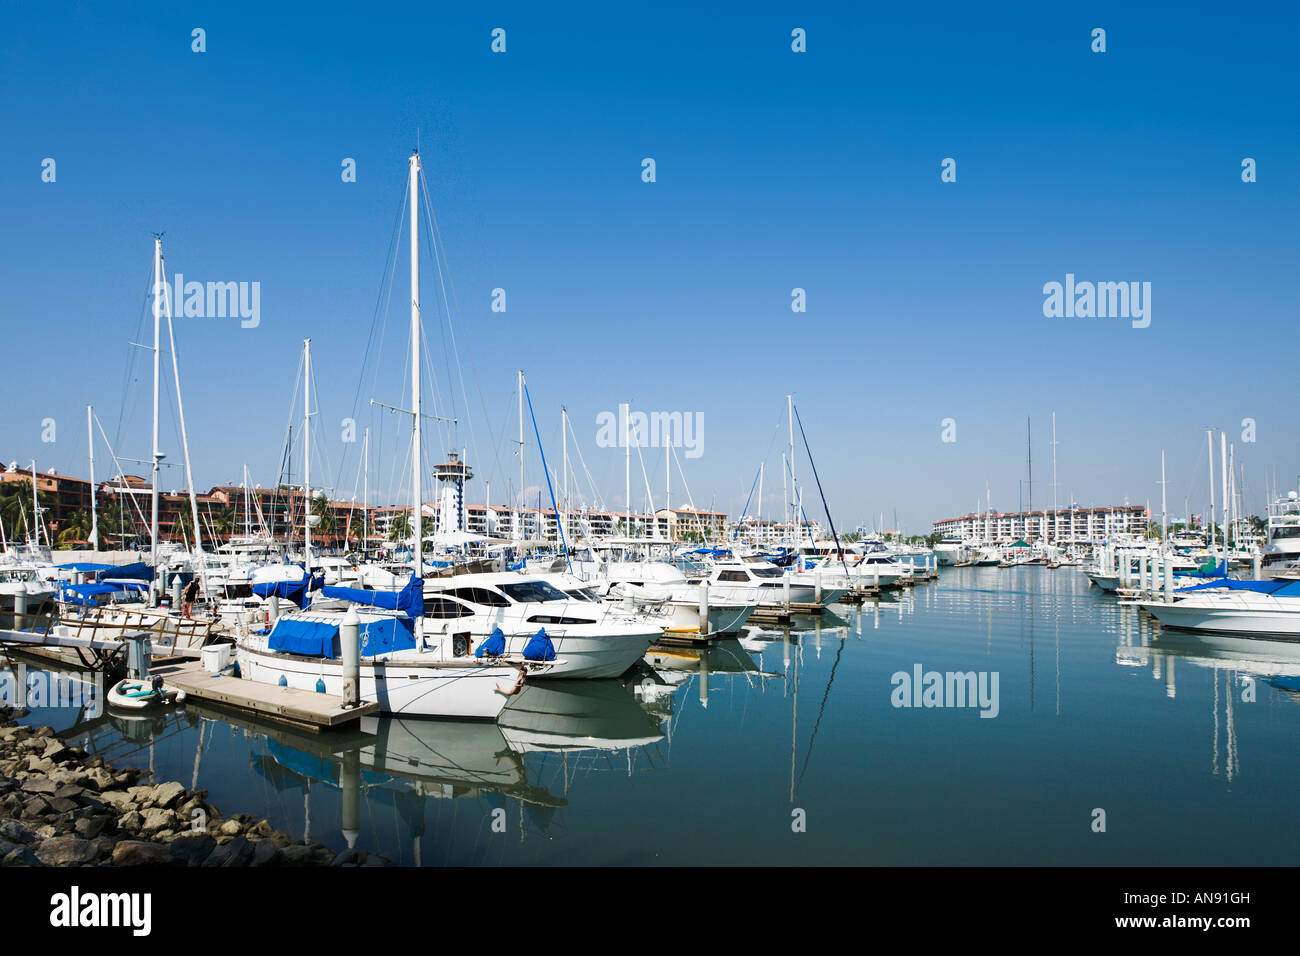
x=61, y=807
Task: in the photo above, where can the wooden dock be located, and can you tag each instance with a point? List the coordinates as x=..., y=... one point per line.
x=301, y=708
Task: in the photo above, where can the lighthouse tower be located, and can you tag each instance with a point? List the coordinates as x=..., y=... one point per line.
x=452, y=473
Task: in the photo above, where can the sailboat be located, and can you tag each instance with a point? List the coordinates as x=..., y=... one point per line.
x=406, y=670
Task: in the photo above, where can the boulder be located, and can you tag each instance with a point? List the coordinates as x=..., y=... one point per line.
x=191, y=849
x=65, y=851
x=237, y=852
x=141, y=853
x=166, y=795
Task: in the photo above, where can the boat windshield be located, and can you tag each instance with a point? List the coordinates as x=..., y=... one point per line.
x=766, y=572
x=529, y=592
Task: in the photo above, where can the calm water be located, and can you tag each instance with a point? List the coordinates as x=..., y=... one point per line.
x=706, y=759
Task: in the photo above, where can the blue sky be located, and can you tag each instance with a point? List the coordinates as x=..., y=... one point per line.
x=775, y=170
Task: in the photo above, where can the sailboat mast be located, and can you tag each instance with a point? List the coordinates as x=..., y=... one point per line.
x=627, y=465
x=417, y=505
x=36, y=510
x=1164, y=505
x=1223, y=467
x=1054, y=503
x=94, y=509
x=1209, y=439
x=157, y=455
x=365, y=491
x=789, y=408
x=564, y=439
x=519, y=495
x=307, y=455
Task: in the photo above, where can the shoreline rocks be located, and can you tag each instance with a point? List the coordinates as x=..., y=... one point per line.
x=61, y=807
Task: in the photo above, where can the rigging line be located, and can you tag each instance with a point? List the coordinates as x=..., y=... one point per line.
x=438, y=262
x=597, y=500
x=129, y=371
x=121, y=475
x=384, y=295
x=439, y=248
x=825, y=506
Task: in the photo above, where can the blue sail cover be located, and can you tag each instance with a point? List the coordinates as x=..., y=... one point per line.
x=139, y=571
x=321, y=638
x=410, y=599
x=295, y=591
x=86, y=567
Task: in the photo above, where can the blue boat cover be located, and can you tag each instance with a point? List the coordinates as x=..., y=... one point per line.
x=539, y=648
x=410, y=599
x=85, y=567
x=494, y=646
x=85, y=594
x=139, y=571
x=295, y=591
x=321, y=638
x=1275, y=588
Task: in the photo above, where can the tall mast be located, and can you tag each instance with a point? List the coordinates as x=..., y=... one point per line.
x=789, y=408
x=1209, y=439
x=1054, y=503
x=306, y=454
x=248, y=520
x=1029, y=439
x=185, y=440
x=36, y=510
x=519, y=495
x=1164, y=507
x=94, y=509
x=417, y=506
x=365, y=491
x=564, y=439
x=157, y=455
x=627, y=465
x=1223, y=467
x=785, y=493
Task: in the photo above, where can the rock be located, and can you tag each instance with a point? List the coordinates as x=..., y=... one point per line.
x=104, y=845
x=36, y=807
x=265, y=853
x=297, y=855
x=140, y=853
x=119, y=798
x=65, y=851
x=156, y=818
x=39, y=785
x=11, y=805
x=262, y=829
x=63, y=805
x=69, y=791
x=235, y=853
x=90, y=827
x=23, y=856
x=15, y=832
x=192, y=849
x=132, y=822
x=280, y=838
x=167, y=794
x=374, y=859
x=140, y=795
x=41, y=765
x=232, y=827
x=56, y=750
x=348, y=857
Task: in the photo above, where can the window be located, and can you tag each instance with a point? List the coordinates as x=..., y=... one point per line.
x=766, y=572
x=554, y=619
x=442, y=608
x=733, y=576
x=529, y=592
x=482, y=596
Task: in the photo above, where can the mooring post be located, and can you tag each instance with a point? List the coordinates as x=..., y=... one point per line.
x=350, y=647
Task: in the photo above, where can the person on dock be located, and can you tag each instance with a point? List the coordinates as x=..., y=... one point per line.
x=188, y=597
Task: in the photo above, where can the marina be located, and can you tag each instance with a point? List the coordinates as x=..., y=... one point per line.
x=802, y=715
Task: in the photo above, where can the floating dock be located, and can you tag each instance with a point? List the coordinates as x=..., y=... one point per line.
x=302, y=708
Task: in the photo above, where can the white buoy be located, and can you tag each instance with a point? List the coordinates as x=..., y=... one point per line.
x=350, y=648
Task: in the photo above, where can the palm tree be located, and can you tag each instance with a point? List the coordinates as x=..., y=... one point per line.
x=223, y=522
x=321, y=508
x=400, y=528
x=15, y=505
x=75, y=528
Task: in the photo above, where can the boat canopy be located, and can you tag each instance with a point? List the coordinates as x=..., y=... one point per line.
x=319, y=637
x=410, y=599
x=85, y=594
x=295, y=591
x=86, y=567
x=1275, y=588
x=140, y=571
